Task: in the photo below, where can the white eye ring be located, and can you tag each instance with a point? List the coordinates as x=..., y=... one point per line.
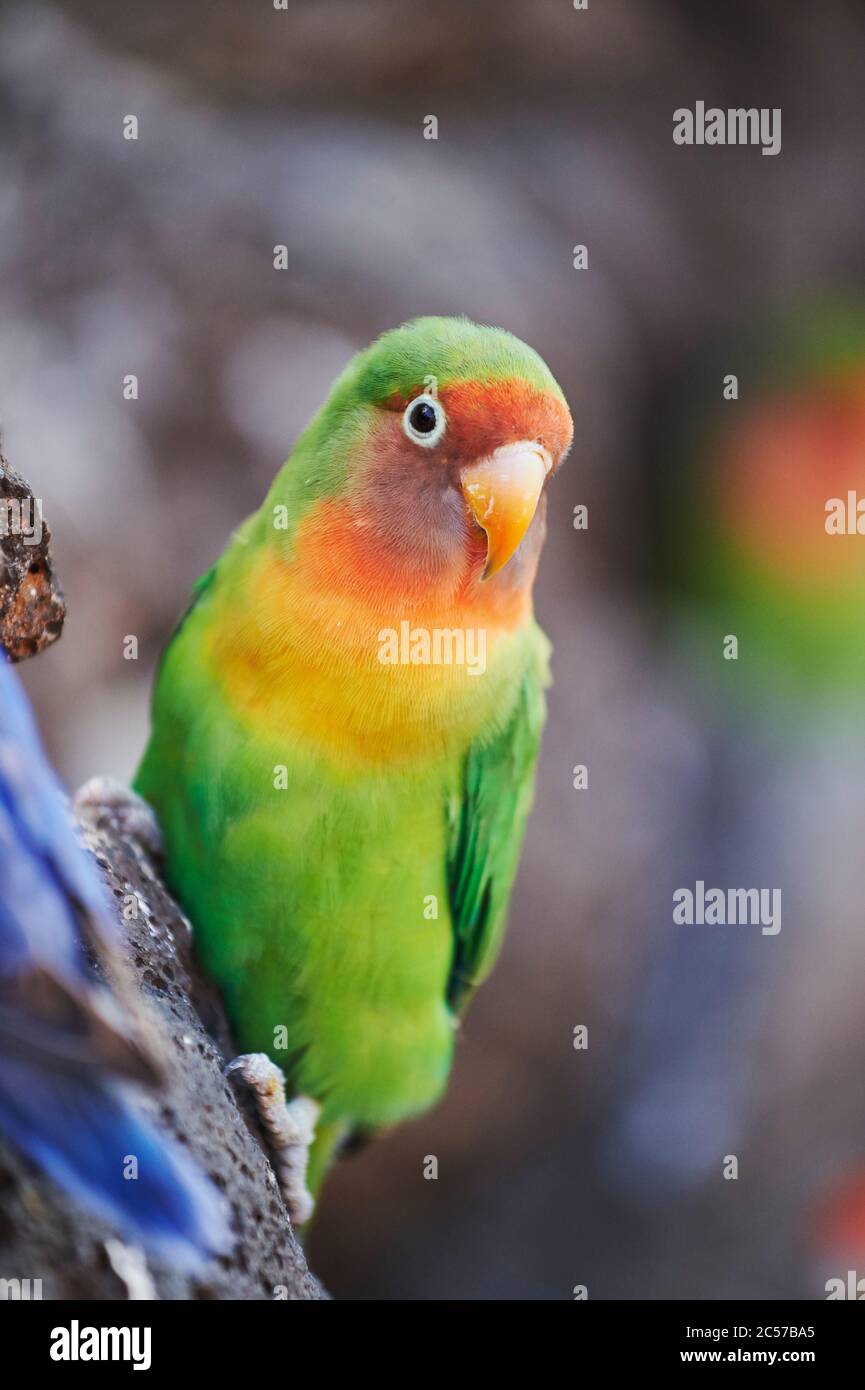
x=425, y=438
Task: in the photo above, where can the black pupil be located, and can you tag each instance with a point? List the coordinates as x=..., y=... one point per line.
x=423, y=418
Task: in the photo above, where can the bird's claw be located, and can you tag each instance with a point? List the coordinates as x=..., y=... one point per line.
x=104, y=800
x=290, y=1127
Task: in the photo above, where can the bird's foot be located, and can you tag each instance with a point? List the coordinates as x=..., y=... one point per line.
x=290, y=1127
x=105, y=800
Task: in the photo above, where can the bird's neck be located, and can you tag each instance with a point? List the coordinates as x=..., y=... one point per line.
x=332, y=646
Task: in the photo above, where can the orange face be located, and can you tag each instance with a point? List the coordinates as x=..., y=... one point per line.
x=451, y=479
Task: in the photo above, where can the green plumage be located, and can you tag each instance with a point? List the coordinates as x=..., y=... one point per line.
x=346, y=913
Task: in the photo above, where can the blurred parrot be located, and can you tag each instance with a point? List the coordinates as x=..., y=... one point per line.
x=758, y=499
x=69, y=1060
x=345, y=730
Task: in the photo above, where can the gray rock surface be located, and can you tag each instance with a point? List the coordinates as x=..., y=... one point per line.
x=44, y=1236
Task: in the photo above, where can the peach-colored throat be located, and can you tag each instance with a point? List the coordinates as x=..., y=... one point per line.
x=365, y=664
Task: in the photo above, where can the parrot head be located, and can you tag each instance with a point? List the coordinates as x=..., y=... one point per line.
x=433, y=453
x=412, y=503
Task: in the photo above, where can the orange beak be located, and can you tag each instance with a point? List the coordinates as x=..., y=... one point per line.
x=502, y=493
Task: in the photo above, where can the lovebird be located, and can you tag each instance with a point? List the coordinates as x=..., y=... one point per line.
x=345, y=727
x=70, y=1067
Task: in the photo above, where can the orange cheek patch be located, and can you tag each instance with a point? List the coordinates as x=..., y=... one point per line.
x=344, y=565
x=335, y=556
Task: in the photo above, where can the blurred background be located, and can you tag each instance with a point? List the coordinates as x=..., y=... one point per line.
x=558, y=1167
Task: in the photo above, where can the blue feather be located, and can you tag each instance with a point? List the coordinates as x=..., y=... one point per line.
x=66, y=1102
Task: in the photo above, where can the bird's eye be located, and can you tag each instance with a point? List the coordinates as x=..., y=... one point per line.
x=424, y=421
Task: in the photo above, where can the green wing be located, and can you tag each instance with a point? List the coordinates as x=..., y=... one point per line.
x=486, y=833
x=204, y=582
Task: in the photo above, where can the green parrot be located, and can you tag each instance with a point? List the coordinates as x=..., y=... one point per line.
x=345, y=729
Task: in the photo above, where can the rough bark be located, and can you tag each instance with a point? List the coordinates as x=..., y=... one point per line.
x=32, y=608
